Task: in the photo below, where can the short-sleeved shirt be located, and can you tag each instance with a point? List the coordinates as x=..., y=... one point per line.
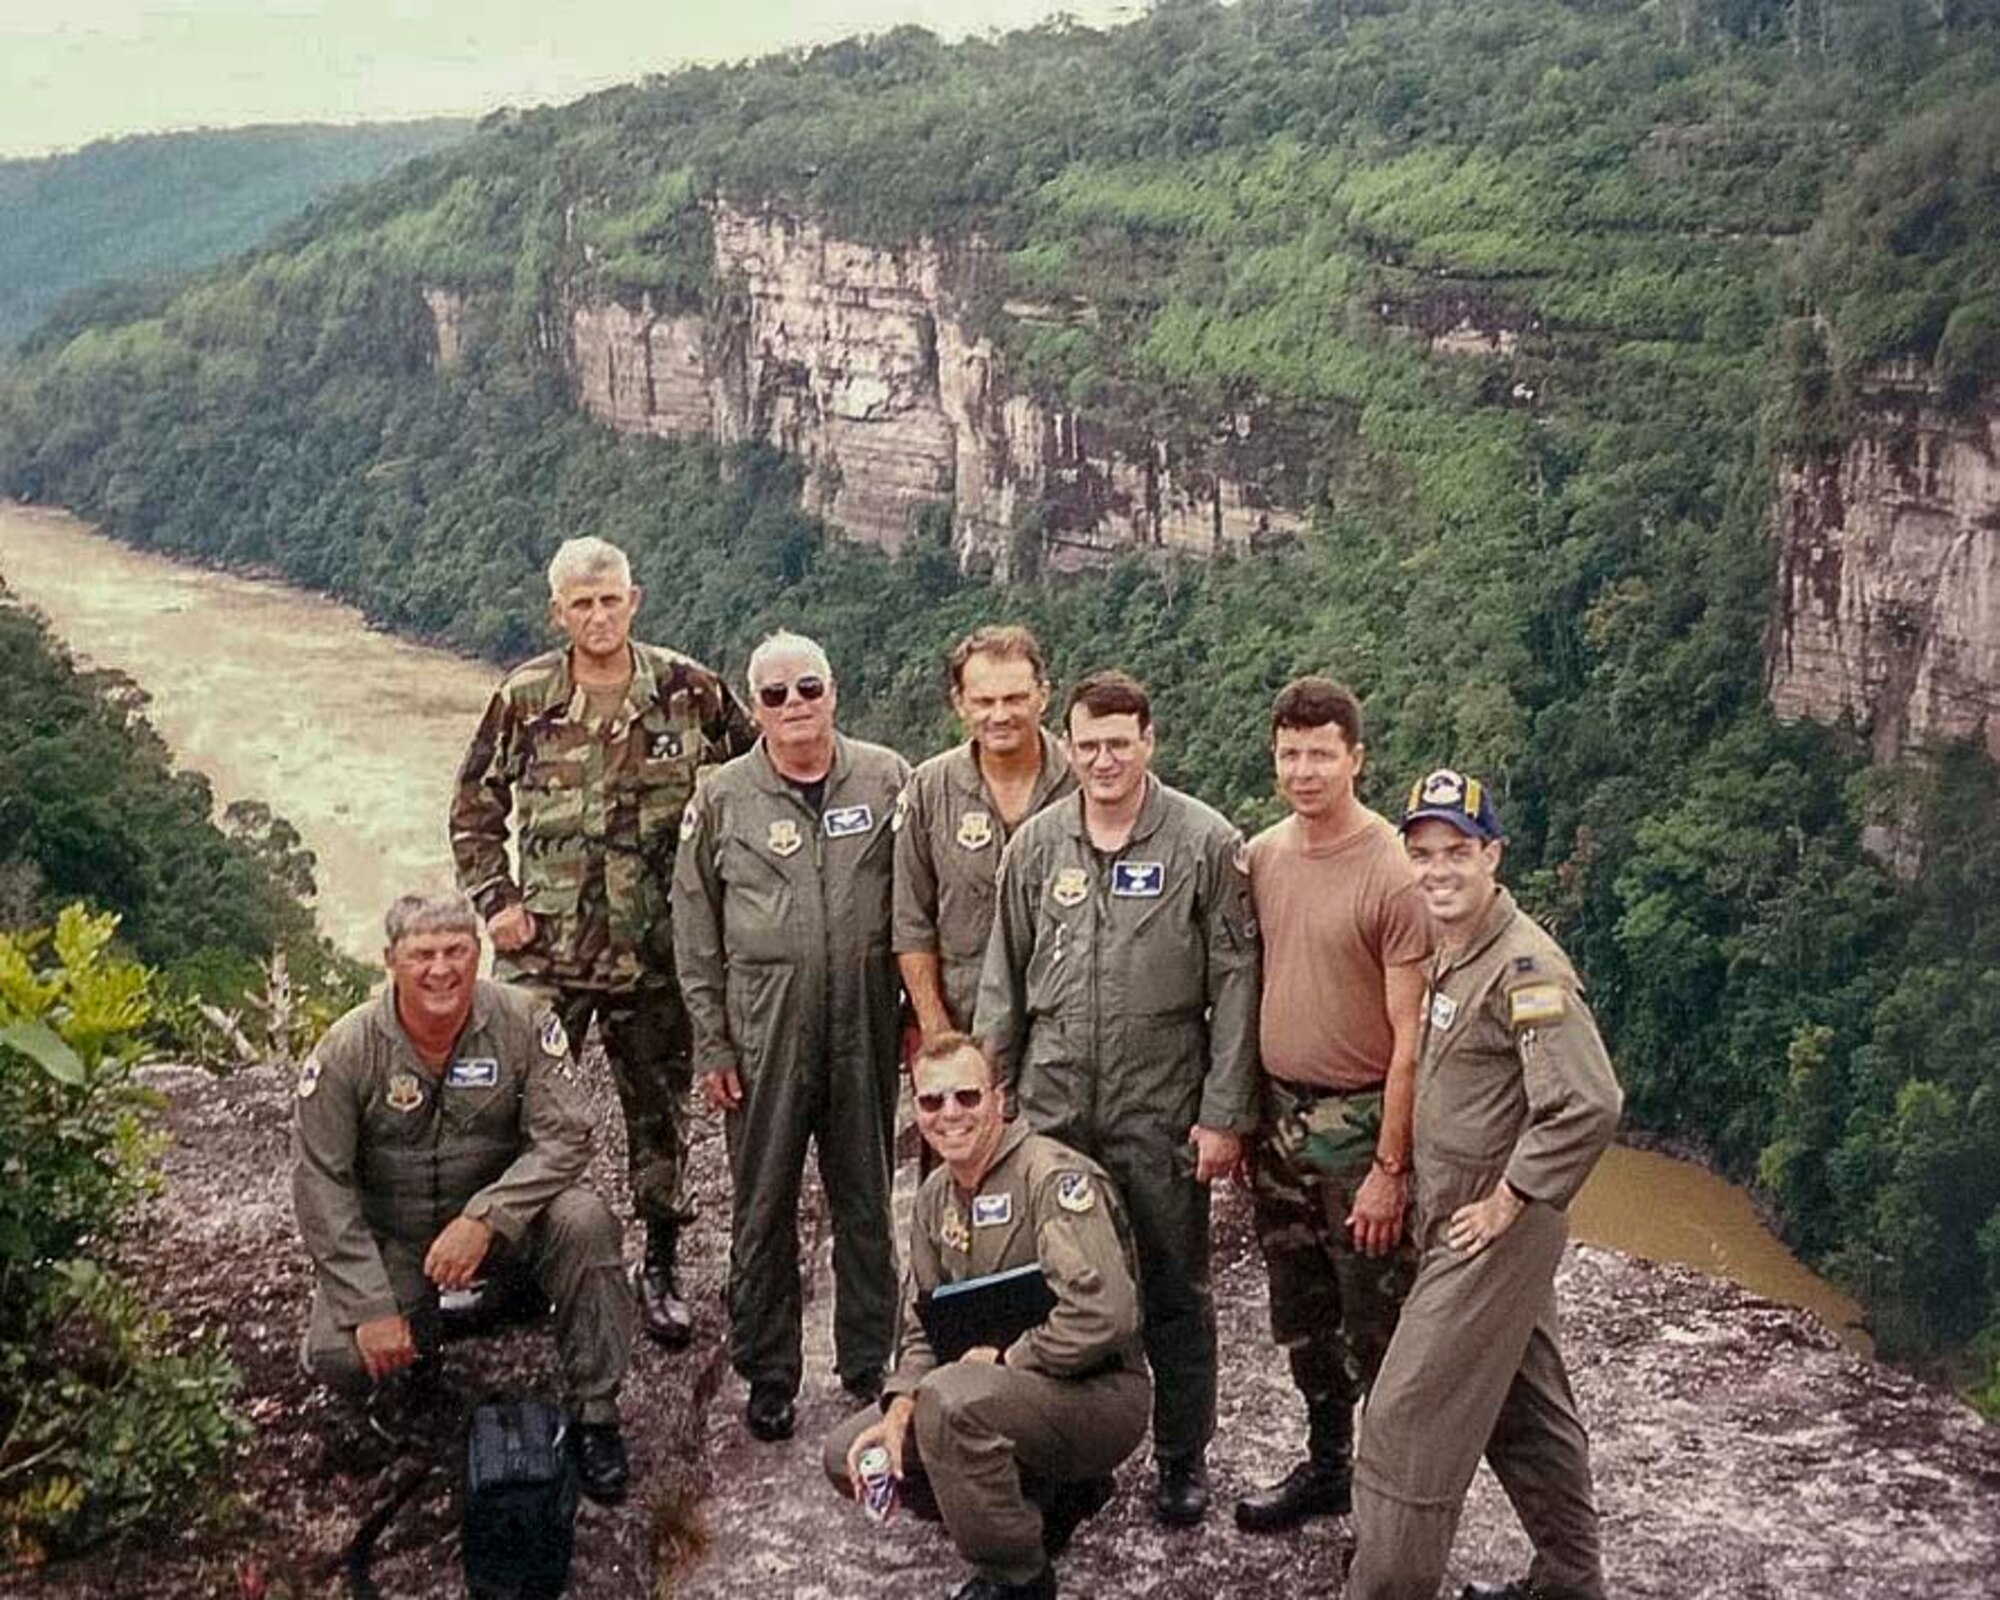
x=1333, y=919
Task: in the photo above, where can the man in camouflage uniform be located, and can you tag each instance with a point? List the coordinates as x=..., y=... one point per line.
x=1119, y=999
x=1012, y=1448
x=1346, y=939
x=1515, y=1103
x=437, y=1139
x=592, y=750
x=958, y=814
x=781, y=932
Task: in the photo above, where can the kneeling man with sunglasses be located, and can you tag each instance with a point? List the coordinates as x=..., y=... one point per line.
x=1013, y=1443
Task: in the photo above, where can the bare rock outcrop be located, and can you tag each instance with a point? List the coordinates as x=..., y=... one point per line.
x=1887, y=615
x=864, y=363
x=1741, y=1452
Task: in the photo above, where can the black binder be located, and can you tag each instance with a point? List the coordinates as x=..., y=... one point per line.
x=995, y=1309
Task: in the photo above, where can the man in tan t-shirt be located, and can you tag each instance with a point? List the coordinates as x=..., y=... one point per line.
x=1346, y=939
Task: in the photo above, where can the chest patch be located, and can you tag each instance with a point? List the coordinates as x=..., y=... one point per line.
x=844, y=822
x=472, y=1072
x=1070, y=887
x=783, y=838
x=975, y=830
x=952, y=1232
x=1138, y=880
x=1074, y=1193
x=405, y=1093
x=664, y=746
x=1536, y=1005
x=992, y=1210
x=1444, y=1010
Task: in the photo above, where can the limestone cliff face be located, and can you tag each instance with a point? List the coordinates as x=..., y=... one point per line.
x=861, y=362
x=1888, y=606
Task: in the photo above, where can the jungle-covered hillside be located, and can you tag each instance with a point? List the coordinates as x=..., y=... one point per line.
x=1708, y=219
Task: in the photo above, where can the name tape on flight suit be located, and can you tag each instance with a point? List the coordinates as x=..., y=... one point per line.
x=992, y=1210
x=1138, y=880
x=843, y=822
x=472, y=1072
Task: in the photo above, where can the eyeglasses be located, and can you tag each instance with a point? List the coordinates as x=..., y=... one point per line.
x=776, y=694
x=931, y=1101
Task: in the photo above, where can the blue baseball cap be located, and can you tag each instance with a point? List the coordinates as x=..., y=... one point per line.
x=1452, y=797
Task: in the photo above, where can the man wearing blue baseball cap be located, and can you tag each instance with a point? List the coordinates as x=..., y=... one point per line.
x=1515, y=1102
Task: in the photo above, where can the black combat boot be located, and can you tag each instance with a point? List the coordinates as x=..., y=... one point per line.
x=1180, y=1497
x=1040, y=1587
x=1319, y=1486
x=770, y=1415
x=665, y=1314
x=602, y=1469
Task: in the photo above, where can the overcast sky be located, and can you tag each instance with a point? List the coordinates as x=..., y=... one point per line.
x=76, y=70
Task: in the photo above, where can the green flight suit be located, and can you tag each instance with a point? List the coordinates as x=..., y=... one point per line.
x=781, y=934
x=1070, y=1397
x=1512, y=1082
x=1120, y=1001
x=386, y=1151
x=597, y=808
x=949, y=836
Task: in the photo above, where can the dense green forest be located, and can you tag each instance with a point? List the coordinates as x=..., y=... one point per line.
x=1712, y=215
x=135, y=212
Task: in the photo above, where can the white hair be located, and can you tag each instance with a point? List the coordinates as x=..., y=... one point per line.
x=787, y=646
x=578, y=560
x=413, y=914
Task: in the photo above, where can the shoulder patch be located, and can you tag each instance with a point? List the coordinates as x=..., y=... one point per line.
x=309, y=1076
x=901, y=814
x=1536, y=1005
x=690, y=815
x=555, y=1042
x=1074, y=1193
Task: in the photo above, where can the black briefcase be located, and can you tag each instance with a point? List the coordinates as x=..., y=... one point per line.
x=520, y=1501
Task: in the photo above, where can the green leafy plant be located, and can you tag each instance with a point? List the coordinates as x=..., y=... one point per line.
x=104, y=1422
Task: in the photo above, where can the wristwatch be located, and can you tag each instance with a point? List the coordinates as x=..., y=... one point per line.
x=1395, y=1166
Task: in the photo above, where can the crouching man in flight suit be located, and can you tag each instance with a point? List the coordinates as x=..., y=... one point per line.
x=1013, y=1448
x=1515, y=1103
x=437, y=1137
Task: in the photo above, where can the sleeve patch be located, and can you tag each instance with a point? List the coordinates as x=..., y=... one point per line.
x=555, y=1042
x=309, y=1076
x=1536, y=1005
x=689, y=818
x=902, y=812
x=1074, y=1193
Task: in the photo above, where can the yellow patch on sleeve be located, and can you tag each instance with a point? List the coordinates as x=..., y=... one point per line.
x=1536, y=1005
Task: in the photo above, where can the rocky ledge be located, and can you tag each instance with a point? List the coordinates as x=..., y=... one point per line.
x=1740, y=1451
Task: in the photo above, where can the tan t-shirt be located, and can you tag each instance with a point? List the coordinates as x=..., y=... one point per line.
x=1332, y=920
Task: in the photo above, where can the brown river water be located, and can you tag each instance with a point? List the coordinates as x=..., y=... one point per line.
x=282, y=696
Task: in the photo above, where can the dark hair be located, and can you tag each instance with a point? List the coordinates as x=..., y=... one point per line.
x=944, y=1047
x=1110, y=694
x=1007, y=640
x=1314, y=702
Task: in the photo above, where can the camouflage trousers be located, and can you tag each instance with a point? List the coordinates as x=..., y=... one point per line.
x=650, y=1050
x=1333, y=1309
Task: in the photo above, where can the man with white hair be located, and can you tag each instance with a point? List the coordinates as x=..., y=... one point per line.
x=781, y=935
x=591, y=751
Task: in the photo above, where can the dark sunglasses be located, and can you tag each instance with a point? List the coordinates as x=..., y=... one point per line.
x=776, y=694
x=931, y=1101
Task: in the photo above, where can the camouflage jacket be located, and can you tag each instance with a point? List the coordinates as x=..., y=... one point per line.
x=596, y=808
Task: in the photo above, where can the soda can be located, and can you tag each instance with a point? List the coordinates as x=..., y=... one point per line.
x=878, y=1483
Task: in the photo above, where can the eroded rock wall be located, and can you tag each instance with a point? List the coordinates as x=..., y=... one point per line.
x=860, y=361
x=1888, y=606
